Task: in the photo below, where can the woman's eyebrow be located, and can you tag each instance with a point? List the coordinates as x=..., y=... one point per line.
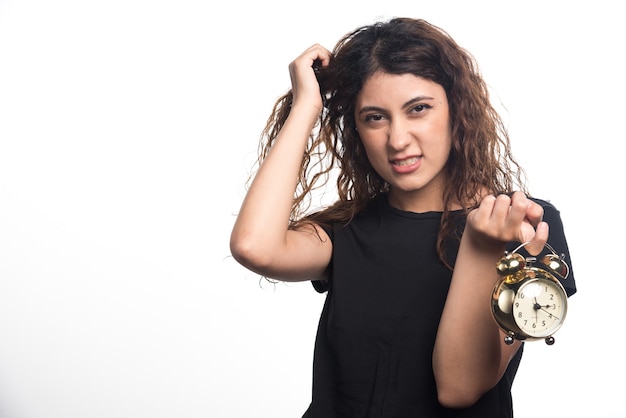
x=405, y=105
x=417, y=99
x=371, y=109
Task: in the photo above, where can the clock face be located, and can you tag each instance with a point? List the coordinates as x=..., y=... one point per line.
x=539, y=307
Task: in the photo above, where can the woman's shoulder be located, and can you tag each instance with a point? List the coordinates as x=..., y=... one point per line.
x=544, y=203
x=551, y=213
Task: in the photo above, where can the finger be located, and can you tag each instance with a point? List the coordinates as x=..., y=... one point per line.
x=519, y=207
x=534, y=213
x=483, y=212
x=538, y=241
x=502, y=208
x=315, y=55
x=323, y=56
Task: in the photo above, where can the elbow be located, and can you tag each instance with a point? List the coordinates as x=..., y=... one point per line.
x=456, y=397
x=248, y=254
x=461, y=386
x=455, y=389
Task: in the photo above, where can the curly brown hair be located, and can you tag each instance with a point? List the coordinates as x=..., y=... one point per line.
x=480, y=159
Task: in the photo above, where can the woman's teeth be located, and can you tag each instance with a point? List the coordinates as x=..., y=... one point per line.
x=408, y=161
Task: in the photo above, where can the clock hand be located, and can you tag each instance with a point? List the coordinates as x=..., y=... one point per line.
x=551, y=314
x=536, y=307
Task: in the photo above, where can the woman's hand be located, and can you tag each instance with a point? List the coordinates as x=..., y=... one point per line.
x=304, y=85
x=502, y=219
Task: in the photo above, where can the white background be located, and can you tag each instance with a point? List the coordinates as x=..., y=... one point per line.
x=127, y=131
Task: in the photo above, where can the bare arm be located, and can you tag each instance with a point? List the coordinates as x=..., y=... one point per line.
x=260, y=239
x=470, y=355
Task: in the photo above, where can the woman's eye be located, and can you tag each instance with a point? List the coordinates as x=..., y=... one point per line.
x=420, y=108
x=374, y=117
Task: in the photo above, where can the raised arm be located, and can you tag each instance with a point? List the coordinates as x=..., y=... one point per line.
x=470, y=355
x=260, y=239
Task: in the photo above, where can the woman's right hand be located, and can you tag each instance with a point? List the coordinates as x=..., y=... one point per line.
x=304, y=84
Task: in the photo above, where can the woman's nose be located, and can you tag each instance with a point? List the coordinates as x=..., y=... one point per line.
x=399, y=135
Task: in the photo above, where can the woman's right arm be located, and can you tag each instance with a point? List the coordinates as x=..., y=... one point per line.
x=261, y=240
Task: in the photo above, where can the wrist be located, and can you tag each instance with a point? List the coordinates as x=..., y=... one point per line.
x=480, y=245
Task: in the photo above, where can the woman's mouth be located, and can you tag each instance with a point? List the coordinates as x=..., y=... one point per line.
x=406, y=165
x=407, y=161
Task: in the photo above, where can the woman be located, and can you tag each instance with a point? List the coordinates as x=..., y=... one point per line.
x=399, y=112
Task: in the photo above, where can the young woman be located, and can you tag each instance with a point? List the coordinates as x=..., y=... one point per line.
x=407, y=253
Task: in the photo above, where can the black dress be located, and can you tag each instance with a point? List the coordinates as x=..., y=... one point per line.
x=386, y=292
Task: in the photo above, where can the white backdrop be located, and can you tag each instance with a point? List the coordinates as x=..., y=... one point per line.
x=127, y=128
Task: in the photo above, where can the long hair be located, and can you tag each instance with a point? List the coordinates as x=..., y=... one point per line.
x=480, y=158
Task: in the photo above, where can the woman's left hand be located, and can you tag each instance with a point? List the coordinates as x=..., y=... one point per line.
x=502, y=219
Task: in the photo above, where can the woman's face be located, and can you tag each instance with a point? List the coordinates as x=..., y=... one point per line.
x=404, y=124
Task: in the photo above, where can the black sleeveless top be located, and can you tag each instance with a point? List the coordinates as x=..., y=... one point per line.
x=386, y=292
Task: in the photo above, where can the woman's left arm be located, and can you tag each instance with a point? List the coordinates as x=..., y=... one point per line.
x=470, y=355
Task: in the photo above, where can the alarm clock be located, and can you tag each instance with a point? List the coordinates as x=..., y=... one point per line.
x=528, y=301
